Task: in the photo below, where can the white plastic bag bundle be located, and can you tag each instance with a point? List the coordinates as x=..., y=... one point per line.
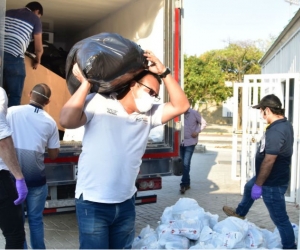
x=177, y=242
x=192, y=214
x=169, y=240
x=189, y=228
x=182, y=205
x=231, y=240
x=232, y=224
x=213, y=219
x=228, y=240
x=208, y=219
x=149, y=242
x=209, y=238
x=145, y=231
x=255, y=237
x=186, y=224
x=146, y=240
x=271, y=239
x=201, y=245
x=206, y=234
x=162, y=229
x=167, y=216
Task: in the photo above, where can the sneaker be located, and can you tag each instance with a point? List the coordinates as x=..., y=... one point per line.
x=229, y=211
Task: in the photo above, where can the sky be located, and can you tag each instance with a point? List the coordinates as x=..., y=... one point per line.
x=210, y=24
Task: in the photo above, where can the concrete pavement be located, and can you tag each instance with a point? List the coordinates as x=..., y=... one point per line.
x=211, y=186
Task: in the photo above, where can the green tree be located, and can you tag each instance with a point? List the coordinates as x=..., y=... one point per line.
x=205, y=76
x=238, y=59
x=204, y=79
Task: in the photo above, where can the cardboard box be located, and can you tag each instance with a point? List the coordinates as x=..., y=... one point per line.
x=59, y=90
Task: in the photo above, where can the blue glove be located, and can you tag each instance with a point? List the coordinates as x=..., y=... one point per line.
x=256, y=192
x=22, y=191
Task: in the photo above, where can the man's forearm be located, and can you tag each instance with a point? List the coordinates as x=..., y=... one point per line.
x=265, y=169
x=72, y=112
x=38, y=57
x=8, y=155
x=178, y=98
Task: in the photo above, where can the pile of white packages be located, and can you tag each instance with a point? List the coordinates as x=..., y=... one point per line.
x=186, y=225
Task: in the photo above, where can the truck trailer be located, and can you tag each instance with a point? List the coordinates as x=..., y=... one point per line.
x=155, y=25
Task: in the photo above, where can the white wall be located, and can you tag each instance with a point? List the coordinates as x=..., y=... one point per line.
x=227, y=107
x=141, y=21
x=284, y=54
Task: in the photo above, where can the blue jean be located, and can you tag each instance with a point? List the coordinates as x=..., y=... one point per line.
x=105, y=226
x=13, y=78
x=186, y=153
x=274, y=200
x=35, y=204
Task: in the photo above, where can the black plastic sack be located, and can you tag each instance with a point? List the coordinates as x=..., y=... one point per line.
x=107, y=60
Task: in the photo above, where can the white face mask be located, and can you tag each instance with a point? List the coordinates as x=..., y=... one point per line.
x=144, y=103
x=264, y=120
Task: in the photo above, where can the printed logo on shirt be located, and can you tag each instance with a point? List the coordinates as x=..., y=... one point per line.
x=138, y=118
x=262, y=144
x=142, y=118
x=112, y=111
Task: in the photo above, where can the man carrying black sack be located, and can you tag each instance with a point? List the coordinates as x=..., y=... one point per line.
x=116, y=134
x=272, y=165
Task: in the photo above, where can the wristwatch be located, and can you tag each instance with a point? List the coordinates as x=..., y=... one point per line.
x=167, y=71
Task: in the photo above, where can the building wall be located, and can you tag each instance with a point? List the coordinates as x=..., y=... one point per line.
x=284, y=54
x=212, y=114
x=286, y=59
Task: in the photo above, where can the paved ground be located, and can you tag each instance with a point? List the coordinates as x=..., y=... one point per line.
x=211, y=187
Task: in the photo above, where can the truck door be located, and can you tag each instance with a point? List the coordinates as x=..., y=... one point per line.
x=164, y=141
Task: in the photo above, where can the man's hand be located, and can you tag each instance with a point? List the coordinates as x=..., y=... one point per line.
x=35, y=64
x=195, y=134
x=22, y=191
x=256, y=192
x=77, y=73
x=156, y=66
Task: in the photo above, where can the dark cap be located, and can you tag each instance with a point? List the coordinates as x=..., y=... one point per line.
x=270, y=101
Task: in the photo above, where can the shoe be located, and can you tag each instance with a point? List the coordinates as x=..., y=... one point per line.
x=182, y=189
x=229, y=211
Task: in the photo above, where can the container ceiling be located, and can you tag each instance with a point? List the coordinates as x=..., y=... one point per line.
x=69, y=16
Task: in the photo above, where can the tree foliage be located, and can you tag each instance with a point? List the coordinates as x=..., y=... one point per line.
x=204, y=80
x=205, y=76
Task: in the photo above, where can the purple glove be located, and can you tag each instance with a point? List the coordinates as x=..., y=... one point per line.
x=22, y=191
x=256, y=192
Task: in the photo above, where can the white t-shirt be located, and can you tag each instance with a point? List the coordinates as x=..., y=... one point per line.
x=33, y=131
x=4, y=128
x=112, y=149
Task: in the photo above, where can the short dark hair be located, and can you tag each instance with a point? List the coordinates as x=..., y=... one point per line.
x=33, y=6
x=141, y=75
x=126, y=87
x=277, y=111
